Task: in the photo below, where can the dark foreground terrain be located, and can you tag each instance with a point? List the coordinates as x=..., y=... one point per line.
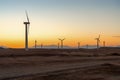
x=105, y=71
x=60, y=64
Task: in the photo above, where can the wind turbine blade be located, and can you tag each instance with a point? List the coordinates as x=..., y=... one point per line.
x=27, y=16
x=28, y=27
x=64, y=39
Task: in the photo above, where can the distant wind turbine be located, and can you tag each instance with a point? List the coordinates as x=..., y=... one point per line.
x=35, y=43
x=58, y=45
x=78, y=45
x=98, y=41
x=103, y=43
x=41, y=45
x=87, y=46
x=27, y=25
x=61, y=42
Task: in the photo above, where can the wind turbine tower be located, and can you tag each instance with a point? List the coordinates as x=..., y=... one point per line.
x=98, y=41
x=35, y=43
x=78, y=45
x=62, y=42
x=87, y=46
x=41, y=45
x=58, y=45
x=103, y=43
x=27, y=24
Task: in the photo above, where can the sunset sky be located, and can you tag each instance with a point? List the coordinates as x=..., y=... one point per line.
x=75, y=20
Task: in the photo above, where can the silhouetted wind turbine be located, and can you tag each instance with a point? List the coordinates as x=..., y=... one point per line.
x=27, y=24
x=87, y=46
x=98, y=41
x=78, y=45
x=103, y=43
x=35, y=43
x=58, y=45
x=41, y=45
x=62, y=42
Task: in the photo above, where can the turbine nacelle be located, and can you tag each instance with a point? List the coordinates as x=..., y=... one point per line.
x=61, y=39
x=26, y=22
x=98, y=39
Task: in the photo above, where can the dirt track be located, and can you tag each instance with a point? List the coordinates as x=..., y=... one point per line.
x=24, y=70
x=15, y=67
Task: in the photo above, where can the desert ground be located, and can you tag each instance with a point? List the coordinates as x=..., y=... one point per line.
x=60, y=64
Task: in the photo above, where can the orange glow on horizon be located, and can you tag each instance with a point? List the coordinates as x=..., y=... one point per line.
x=110, y=41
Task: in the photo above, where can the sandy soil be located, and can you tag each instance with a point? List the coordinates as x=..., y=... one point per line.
x=107, y=71
x=102, y=64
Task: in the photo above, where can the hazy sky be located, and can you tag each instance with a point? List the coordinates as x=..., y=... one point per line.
x=75, y=20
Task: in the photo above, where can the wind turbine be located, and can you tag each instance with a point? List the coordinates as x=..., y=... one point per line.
x=35, y=43
x=87, y=46
x=61, y=42
x=58, y=45
x=78, y=45
x=41, y=45
x=98, y=41
x=27, y=25
x=103, y=43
